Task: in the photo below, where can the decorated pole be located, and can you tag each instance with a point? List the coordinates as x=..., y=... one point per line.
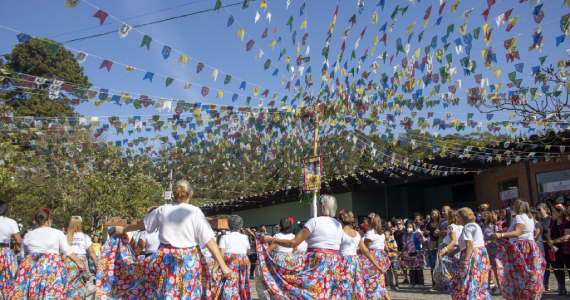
x=314, y=203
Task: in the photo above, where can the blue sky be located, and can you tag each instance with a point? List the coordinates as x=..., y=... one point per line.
x=207, y=38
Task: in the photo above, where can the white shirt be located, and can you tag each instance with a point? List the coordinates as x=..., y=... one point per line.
x=282, y=236
x=349, y=244
x=181, y=225
x=326, y=233
x=45, y=240
x=528, y=231
x=457, y=229
x=471, y=232
x=302, y=246
x=378, y=240
x=205, y=251
x=8, y=227
x=81, y=243
x=235, y=243
x=151, y=241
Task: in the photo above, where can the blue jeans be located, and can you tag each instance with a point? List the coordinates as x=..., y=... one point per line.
x=431, y=258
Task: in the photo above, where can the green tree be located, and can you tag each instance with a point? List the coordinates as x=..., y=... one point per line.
x=31, y=58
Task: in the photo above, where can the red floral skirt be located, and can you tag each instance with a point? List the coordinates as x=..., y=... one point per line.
x=471, y=283
x=236, y=288
x=374, y=283
x=520, y=266
x=206, y=281
x=41, y=276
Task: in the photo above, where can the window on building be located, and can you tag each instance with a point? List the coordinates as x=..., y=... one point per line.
x=463, y=193
x=553, y=185
x=508, y=190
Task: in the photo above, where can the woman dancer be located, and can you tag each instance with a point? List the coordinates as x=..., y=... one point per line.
x=520, y=264
x=8, y=228
x=442, y=274
x=173, y=271
x=375, y=240
x=471, y=272
x=234, y=246
x=283, y=256
x=42, y=274
x=80, y=284
x=315, y=276
x=353, y=275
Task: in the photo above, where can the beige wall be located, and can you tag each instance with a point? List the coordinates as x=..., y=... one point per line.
x=271, y=215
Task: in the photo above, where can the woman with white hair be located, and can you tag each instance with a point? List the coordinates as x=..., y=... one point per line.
x=315, y=276
x=174, y=271
x=234, y=246
x=520, y=264
x=80, y=283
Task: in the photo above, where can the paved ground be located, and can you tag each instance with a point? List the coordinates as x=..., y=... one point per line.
x=424, y=294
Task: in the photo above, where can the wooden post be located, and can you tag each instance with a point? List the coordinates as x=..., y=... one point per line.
x=314, y=203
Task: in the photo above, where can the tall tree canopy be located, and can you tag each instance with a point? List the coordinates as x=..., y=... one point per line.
x=31, y=58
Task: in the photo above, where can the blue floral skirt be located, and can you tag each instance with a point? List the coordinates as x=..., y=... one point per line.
x=7, y=271
x=374, y=283
x=79, y=283
x=442, y=272
x=285, y=259
x=520, y=266
x=314, y=277
x=471, y=283
x=41, y=276
x=206, y=280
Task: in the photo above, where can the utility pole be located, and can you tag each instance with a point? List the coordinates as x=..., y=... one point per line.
x=314, y=204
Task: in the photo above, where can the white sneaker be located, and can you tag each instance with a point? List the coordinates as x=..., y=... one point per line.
x=411, y=286
x=420, y=286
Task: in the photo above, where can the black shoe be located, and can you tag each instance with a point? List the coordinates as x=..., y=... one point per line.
x=562, y=292
x=396, y=287
x=405, y=281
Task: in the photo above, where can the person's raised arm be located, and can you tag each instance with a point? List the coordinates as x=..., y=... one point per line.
x=134, y=226
x=301, y=236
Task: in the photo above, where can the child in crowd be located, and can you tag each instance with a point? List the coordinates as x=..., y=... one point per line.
x=392, y=272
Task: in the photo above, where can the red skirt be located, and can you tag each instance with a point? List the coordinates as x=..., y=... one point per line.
x=238, y=287
x=520, y=266
x=374, y=283
x=41, y=276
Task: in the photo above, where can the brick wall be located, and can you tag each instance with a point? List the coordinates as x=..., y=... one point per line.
x=486, y=183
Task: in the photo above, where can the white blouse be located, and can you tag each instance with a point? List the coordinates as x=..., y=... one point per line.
x=528, y=231
x=81, y=242
x=471, y=232
x=282, y=236
x=181, y=225
x=235, y=243
x=45, y=240
x=378, y=240
x=8, y=227
x=326, y=233
x=349, y=244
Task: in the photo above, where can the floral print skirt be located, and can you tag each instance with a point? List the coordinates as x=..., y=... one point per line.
x=7, y=271
x=207, y=264
x=41, y=276
x=351, y=281
x=520, y=266
x=285, y=259
x=471, y=283
x=170, y=273
x=236, y=288
x=443, y=266
x=374, y=283
x=315, y=276
x=79, y=283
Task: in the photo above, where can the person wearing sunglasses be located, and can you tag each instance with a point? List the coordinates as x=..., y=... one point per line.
x=42, y=273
